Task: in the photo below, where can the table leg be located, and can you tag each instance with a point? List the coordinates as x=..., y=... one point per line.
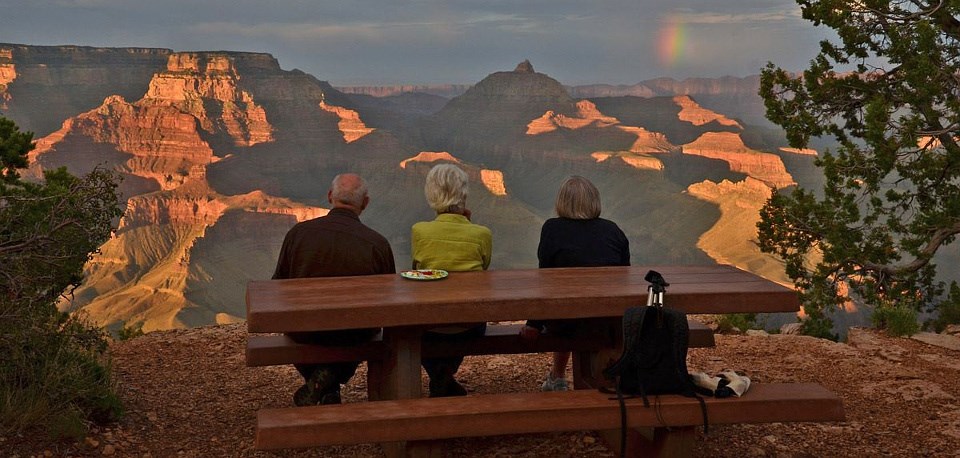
x=588, y=366
x=397, y=376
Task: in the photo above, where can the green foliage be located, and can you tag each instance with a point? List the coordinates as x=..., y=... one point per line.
x=54, y=376
x=948, y=311
x=732, y=322
x=896, y=320
x=127, y=332
x=887, y=92
x=14, y=146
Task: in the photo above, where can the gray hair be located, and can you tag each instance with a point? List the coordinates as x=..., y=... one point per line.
x=578, y=198
x=446, y=188
x=348, y=188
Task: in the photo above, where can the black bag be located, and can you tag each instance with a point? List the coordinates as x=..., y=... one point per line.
x=654, y=358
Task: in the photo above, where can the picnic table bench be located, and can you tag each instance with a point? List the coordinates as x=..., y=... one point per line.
x=405, y=308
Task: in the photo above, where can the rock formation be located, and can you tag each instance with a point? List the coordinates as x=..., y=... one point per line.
x=804, y=151
x=729, y=241
x=70, y=80
x=693, y=113
x=429, y=156
x=493, y=180
x=639, y=161
x=729, y=147
x=350, y=123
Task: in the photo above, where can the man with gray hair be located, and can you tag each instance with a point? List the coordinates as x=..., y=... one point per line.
x=334, y=245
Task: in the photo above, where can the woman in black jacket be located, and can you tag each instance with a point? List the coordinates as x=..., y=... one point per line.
x=578, y=237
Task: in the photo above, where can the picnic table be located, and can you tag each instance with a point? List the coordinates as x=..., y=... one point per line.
x=405, y=309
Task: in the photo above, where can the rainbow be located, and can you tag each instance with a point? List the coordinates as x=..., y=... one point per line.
x=672, y=41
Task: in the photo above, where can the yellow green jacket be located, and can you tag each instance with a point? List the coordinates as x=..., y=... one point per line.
x=451, y=242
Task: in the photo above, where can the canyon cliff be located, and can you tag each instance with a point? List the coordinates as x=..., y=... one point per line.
x=222, y=152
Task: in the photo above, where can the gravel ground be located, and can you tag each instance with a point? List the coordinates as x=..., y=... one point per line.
x=188, y=393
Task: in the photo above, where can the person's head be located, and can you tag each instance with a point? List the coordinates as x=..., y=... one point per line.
x=446, y=189
x=348, y=191
x=578, y=198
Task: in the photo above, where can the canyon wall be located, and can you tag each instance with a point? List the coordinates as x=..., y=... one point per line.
x=222, y=152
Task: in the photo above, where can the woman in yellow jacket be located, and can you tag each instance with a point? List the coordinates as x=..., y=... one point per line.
x=452, y=243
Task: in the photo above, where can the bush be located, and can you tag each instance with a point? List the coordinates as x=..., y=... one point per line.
x=948, y=311
x=896, y=321
x=737, y=322
x=54, y=375
x=127, y=332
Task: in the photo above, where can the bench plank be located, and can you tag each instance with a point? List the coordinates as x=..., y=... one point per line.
x=518, y=413
x=272, y=350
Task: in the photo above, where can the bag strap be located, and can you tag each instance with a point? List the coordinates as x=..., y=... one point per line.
x=623, y=420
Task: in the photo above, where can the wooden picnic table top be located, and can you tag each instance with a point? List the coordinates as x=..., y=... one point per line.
x=331, y=303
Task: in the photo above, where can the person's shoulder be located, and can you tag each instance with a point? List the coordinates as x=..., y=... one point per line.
x=485, y=232
x=607, y=223
x=553, y=222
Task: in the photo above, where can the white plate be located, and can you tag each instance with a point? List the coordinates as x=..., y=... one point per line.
x=424, y=274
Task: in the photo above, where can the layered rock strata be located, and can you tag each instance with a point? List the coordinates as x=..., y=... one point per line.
x=729, y=147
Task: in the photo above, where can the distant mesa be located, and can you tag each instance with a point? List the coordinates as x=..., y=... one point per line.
x=429, y=156
x=350, y=123
x=729, y=147
x=695, y=114
x=587, y=115
x=524, y=67
x=637, y=161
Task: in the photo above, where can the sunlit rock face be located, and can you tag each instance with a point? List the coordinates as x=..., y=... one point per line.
x=493, y=181
x=729, y=147
x=208, y=87
x=732, y=240
x=429, y=156
x=350, y=123
x=8, y=73
x=802, y=151
x=693, y=113
x=586, y=115
x=638, y=161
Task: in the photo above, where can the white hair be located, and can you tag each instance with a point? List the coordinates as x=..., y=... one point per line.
x=446, y=188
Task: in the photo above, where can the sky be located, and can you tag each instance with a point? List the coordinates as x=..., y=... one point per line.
x=384, y=42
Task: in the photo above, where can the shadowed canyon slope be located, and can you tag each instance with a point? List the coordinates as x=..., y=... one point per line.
x=221, y=152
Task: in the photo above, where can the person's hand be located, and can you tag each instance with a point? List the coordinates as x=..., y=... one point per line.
x=529, y=333
x=467, y=213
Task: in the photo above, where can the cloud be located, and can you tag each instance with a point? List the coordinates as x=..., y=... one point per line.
x=292, y=32
x=749, y=18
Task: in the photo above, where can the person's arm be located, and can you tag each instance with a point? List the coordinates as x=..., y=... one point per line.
x=486, y=247
x=625, y=251
x=545, y=248
x=414, y=245
x=283, y=269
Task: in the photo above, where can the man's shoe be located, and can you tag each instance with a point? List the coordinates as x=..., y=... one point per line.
x=321, y=388
x=446, y=387
x=554, y=384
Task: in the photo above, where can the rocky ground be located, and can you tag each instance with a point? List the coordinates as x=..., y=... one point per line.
x=188, y=393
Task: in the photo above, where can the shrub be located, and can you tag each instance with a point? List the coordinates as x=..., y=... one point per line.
x=127, y=332
x=54, y=374
x=896, y=321
x=948, y=311
x=737, y=322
